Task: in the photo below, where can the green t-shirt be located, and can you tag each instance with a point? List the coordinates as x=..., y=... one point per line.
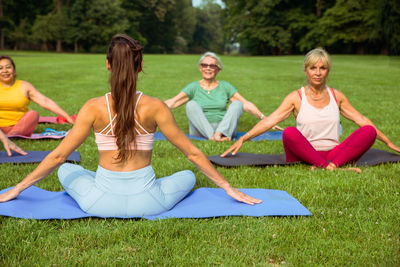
x=214, y=102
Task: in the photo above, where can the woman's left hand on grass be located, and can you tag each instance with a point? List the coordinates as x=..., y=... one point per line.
x=393, y=147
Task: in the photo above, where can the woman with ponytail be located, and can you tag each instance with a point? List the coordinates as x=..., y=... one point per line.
x=124, y=122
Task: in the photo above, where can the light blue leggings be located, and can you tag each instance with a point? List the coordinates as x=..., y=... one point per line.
x=200, y=126
x=107, y=193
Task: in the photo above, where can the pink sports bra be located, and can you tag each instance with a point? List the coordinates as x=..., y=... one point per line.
x=107, y=141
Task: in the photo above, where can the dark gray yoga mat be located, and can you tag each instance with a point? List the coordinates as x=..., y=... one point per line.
x=33, y=157
x=371, y=158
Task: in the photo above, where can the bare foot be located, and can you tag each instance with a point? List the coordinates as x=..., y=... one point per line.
x=313, y=168
x=357, y=170
x=225, y=138
x=217, y=136
x=333, y=167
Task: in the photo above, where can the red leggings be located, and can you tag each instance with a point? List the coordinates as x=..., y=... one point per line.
x=298, y=148
x=25, y=126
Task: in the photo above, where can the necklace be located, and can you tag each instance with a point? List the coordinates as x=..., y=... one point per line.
x=316, y=98
x=212, y=86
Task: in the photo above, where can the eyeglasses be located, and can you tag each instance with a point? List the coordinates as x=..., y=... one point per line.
x=211, y=66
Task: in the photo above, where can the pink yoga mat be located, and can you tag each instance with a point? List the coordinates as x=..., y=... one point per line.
x=48, y=120
x=53, y=119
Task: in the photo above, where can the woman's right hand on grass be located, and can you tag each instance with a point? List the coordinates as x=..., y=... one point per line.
x=242, y=197
x=234, y=148
x=9, y=195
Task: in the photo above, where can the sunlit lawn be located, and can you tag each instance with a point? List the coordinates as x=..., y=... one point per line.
x=355, y=217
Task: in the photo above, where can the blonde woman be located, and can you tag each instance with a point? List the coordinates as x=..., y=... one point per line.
x=317, y=109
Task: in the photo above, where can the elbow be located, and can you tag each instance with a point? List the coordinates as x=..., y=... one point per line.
x=57, y=159
x=194, y=155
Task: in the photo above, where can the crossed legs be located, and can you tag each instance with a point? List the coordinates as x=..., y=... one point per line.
x=297, y=148
x=25, y=126
x=200, y=126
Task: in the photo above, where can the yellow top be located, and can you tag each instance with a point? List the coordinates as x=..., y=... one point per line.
x=13, y=104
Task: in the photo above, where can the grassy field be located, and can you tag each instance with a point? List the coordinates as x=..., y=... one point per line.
x=355, y=219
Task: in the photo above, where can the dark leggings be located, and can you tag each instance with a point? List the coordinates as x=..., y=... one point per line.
x=298, y=148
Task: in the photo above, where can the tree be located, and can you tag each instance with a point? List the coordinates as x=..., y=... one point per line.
x=269, y=26
x=208, y=33
x=348, y=26
x=93, y=23
x=184, y=22
x=388, y=23
x=20, y=34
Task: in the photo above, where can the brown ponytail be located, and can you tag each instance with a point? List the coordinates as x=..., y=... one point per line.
x=125, y=58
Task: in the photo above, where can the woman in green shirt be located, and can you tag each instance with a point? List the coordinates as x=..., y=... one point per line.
x=207, y=101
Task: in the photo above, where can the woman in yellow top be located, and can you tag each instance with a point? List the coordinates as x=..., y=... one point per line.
x=15, y=96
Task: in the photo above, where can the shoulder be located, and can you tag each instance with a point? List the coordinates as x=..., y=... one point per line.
x=151, y=104
x=225, y=84
x=25, y=84
x=339, y=95
x=192, y=85
x=294, y=94
x=95, y=104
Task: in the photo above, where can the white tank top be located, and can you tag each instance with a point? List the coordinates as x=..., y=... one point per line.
x=320, y=126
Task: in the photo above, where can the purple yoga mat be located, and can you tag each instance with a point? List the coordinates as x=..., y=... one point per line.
x=40, y=136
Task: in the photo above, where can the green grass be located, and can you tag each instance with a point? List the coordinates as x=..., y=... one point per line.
x=355, y=217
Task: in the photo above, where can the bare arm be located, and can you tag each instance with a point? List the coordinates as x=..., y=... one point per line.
x=168, y=127
x=75, y=137
x=177, y=100
x=251, y=108
x=350, y=113
x=33, y=94
x=9, y=145
x=279, y=115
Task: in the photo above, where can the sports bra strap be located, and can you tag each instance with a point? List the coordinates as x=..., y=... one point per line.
x=298, y=91
x=111, y=119
x=138, y=99
x=334, y=95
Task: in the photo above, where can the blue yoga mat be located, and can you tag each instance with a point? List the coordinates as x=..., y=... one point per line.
x=36, y=203
x=33, y=157
x=158, y=136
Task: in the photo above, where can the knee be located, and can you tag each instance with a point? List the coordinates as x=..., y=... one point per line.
x=192, y=105
x=289, y=132
x=370, y=131
x=189, y=179
x=33, y=115
x=64, y=170
x=237, y=105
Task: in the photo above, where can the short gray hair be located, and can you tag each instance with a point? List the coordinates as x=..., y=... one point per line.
x=213, y=55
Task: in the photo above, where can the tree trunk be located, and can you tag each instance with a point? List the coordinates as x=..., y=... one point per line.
x=76, y=47
x=318, y=8
x=44, y=47
x=59, y=45
x=385, y=50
